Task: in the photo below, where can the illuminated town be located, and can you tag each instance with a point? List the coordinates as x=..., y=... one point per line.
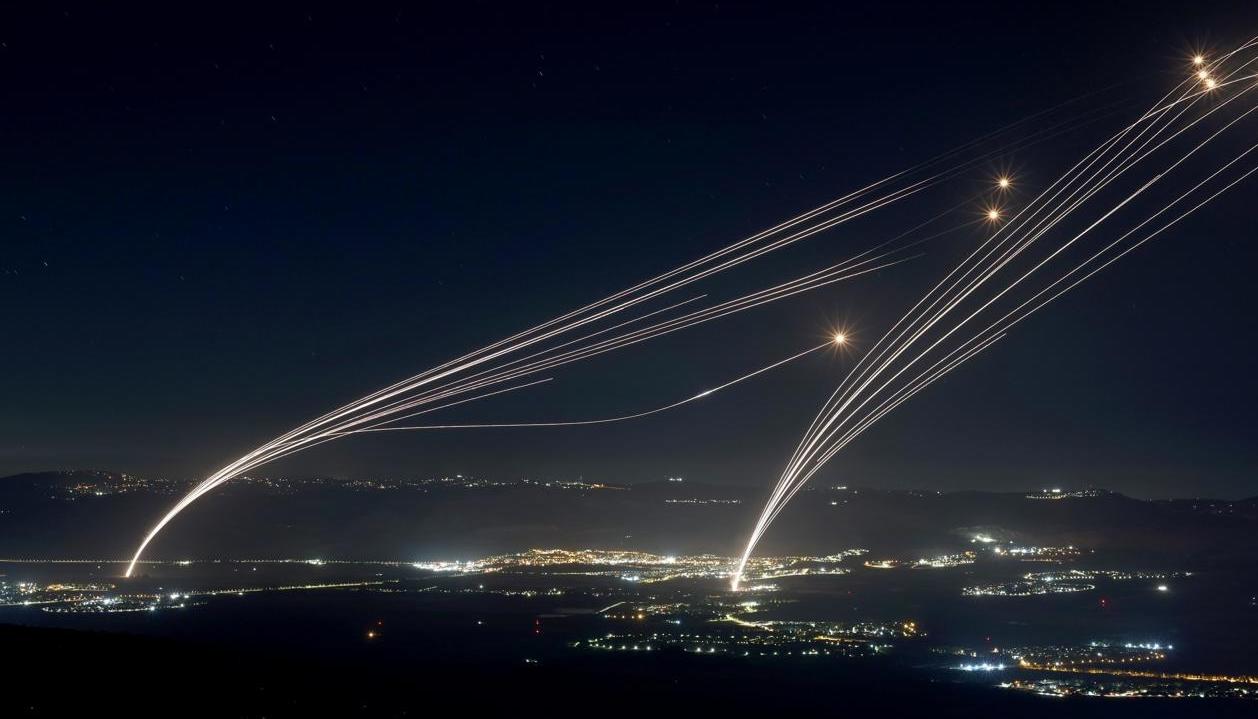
x=640, y=603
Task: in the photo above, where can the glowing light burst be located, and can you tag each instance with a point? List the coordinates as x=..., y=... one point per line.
x=1019, y=269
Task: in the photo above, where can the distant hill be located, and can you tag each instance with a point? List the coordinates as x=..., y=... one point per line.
x=62, y=478
x=103, y=514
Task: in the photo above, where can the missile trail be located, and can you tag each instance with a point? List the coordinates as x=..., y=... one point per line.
x=880, y=381
x=609, y=420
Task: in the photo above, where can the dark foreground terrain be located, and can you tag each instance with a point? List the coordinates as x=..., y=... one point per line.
x=58, y=672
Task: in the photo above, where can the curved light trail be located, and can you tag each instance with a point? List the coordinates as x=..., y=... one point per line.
x=837, y=341
x=1101, y=189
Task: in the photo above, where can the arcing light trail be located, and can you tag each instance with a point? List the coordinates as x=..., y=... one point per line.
x=880, y=381
x=838, y=340
x=585, y=332
x=785, y=491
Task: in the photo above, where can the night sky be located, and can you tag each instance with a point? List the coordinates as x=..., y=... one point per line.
x=217, y=224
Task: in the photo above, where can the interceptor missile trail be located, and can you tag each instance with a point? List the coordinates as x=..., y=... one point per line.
x=599, y=327
x=879, y=382
x=384, y=427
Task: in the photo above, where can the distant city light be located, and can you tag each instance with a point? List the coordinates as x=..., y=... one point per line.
x=983, y=667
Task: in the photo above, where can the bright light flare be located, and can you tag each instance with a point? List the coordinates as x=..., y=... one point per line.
x=840, y=338
x=994, y=214
x=1004, y=183
x=1199, y=60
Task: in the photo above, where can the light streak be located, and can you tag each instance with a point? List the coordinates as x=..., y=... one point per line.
x=609, y=420
x=878, y=383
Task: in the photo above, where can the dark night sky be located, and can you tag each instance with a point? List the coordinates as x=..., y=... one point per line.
x=215, y=224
